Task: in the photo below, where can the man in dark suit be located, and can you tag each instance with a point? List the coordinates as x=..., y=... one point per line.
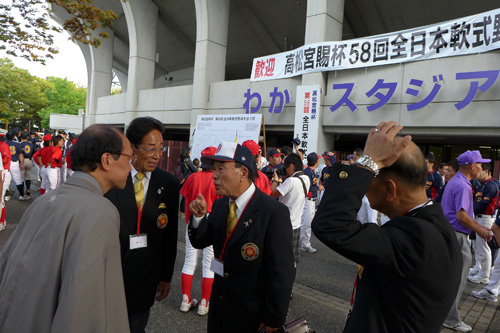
x=252, y=238
x=148, y=209
x=410, y=267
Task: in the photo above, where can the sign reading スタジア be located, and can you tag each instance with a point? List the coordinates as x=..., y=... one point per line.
x=472, y=34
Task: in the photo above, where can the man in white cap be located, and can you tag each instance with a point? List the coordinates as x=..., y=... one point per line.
x=252, y=239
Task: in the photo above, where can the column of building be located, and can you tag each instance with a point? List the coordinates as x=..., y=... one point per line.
x=99, y=67
x=142, y=21
x=212, y=17
x=324, y=23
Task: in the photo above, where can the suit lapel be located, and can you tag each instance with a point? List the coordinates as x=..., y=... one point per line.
x=126, y=199
x=246, y=219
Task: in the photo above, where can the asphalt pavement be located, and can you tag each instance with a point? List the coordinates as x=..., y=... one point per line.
x=322, y=288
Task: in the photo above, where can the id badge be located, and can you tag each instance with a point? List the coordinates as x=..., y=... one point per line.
x=217, y=267
x=138, y=241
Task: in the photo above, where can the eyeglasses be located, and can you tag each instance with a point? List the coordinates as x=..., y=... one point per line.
x=131, y=158
x=151, y=151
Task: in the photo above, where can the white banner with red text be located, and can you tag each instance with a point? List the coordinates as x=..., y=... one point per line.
x=469, y=35
x=307, y=115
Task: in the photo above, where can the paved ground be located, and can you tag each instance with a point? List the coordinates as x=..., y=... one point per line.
x=321, y=292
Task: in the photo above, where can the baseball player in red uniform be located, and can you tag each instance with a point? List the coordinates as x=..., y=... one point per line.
x=55, y=163
x=6, y=178
x=198, y=183
x=42, y=158
x=261, y=180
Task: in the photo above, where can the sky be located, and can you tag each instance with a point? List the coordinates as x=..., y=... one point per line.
x=68, y=63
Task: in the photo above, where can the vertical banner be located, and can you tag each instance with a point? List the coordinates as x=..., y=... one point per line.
x=307, y=115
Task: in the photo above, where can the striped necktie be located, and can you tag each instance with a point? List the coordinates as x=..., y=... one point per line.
x=232, y=218
x=139, y=189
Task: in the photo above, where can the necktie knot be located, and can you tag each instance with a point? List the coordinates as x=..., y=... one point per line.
x=140, y=175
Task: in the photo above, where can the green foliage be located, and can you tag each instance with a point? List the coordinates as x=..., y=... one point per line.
x=63, y=97
x=32, y=36
x=21, y=95
x=26, y=99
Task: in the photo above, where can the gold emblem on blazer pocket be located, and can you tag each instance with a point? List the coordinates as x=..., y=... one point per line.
x=162, y=206
x=250, y=251
x=162, y=221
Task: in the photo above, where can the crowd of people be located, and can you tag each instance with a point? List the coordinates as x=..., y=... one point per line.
x=22, y=151
x=100, y=265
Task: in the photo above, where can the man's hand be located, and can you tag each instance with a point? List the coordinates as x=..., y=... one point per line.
x=483, y=232
x=275, y=176
x=321, y=188
x=381, y=146
x=163, y=290
x=198, y=206
x=268, y=329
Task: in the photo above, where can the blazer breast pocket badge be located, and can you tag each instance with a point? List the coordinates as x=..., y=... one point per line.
x=250, y=251
x=162, y=221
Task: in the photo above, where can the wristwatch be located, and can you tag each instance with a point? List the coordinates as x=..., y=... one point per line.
x=366, y=161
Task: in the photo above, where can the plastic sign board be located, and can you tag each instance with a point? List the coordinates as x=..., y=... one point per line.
x=211, y=130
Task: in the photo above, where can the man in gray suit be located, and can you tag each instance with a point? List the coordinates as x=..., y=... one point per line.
x=60, y=271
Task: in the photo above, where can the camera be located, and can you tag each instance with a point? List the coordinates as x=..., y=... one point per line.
x=280, y=171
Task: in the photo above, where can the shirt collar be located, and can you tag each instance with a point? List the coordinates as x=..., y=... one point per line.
x=243, y=199
x=135, y=172
x=462, y=176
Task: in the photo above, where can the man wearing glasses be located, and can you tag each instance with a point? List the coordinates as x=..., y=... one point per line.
x=148, y=209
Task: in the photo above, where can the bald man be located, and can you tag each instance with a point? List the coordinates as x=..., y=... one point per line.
x=396, y=288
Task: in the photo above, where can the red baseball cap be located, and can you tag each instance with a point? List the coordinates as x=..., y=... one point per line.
x=47, y=137
x=252, y=146
x=209, y=151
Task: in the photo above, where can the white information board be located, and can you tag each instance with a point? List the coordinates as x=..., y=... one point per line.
x=211, y=130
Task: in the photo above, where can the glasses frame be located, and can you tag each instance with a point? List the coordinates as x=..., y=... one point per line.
x=151, y=151
x=131, y=158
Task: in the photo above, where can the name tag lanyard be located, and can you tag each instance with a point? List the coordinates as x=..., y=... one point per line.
x=138, y=240
x=139, y=215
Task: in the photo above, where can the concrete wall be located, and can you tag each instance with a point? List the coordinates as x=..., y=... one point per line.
x=439, y=115
x=173, y=105
x=67, y=122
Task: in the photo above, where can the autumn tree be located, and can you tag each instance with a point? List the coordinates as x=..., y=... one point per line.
x=31, y=36
x=63, y=97
x=22, y=95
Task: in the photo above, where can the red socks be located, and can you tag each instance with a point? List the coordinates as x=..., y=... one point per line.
x=186, y=281
x=206, y=289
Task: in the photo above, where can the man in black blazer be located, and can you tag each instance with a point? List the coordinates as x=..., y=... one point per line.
x=252, y=238
x=410, y=267
x=148, y=209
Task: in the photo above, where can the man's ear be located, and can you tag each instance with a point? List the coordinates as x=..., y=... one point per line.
x=243, y=173
x=106, y=161
x=390, y=190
